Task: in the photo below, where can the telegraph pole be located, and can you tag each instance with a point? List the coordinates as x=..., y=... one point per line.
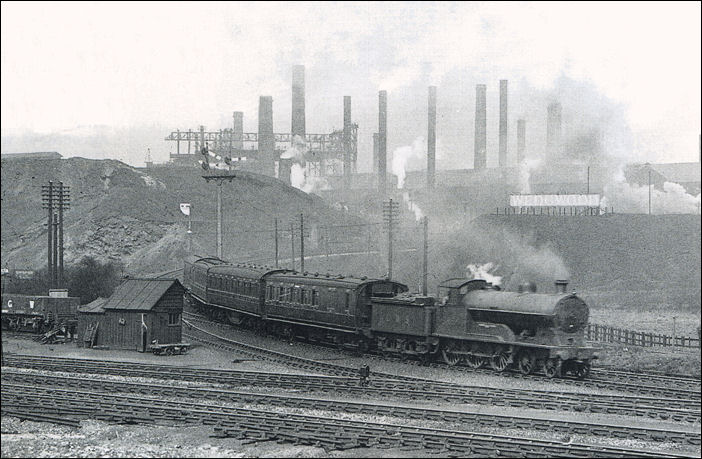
x=292, y=242
x=55, y=198
x=219, y=179
x=302, y=244
x=276, y=243
x=390, y=213
x=425, y=264
x=50, y=228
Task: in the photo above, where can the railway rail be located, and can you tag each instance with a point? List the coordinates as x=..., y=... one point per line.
x=631, y=383
x=330, y=433
x=686, y=437
x=649, y=407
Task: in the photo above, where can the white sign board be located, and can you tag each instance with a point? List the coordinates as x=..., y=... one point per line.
x=554, y=200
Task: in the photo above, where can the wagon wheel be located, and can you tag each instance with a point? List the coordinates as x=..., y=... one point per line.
x=499, y=361
x=552, y=367
x=474, y=361
x=169, y=351
x=526, y=362
x=450, y=358
x=582, y=370
x=184, y=350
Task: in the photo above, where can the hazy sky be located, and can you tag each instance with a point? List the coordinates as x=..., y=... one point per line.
x=179, y=65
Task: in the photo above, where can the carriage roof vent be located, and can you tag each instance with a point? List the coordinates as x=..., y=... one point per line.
x=339, y=276
x=327, y=274
x=364, y=278
x=316, y=274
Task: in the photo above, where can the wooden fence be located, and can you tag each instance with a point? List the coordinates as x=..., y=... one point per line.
x=603, y=333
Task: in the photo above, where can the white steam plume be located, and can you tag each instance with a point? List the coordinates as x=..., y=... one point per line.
x=418, y=214
x=478, y=271
x=300, y=176
x=403, y=155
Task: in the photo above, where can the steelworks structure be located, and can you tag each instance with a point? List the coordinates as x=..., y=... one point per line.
x=332, y=154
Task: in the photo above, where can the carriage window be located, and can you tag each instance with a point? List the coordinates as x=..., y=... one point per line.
x=303, y=296
x=347, y=301
x=315, y=298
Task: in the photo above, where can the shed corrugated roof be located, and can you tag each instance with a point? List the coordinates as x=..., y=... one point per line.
x=140, y=294
x=95, y=306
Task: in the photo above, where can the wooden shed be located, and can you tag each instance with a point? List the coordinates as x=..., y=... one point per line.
x=138, y=312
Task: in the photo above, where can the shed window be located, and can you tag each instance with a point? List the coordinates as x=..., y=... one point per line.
x=173, y=318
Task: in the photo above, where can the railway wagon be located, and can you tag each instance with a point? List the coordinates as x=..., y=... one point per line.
x=318, y=307
x=37, y=313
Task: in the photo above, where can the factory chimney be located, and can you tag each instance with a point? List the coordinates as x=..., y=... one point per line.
x=431, y=138
x=348, y=143
x=238, y=130
x=480, y=146
x=266, y=138
x=553, y=128
x=521, y=140
x=503, y=124
x=382, y=142
x=375, y=152
x=298, y=101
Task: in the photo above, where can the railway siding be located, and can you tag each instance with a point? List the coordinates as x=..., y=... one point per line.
x=689, y=436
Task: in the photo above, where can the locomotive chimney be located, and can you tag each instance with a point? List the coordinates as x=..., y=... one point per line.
x=561, y=285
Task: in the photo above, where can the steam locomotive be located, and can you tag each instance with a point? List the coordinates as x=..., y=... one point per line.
x=473, y=323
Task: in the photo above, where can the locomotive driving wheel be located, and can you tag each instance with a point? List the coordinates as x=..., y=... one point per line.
x=552, y=367
x=474, y=361
x=526, y=362
x=499, y=361
x=450, y=358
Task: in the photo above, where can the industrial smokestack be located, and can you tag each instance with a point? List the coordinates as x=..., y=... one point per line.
x=521, y=140
x=382, y=141
x=503, y=124
x=480, y=146
x=431, y=138
x=298, y=101
x=266, y=138
x=375, y=152
x=348, y=143
x=238, y=130
x=553, y=128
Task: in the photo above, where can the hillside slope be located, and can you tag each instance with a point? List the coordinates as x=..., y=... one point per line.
x=121, y=213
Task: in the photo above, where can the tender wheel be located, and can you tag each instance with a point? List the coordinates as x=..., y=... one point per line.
x=552, y=368
x=474, y=361
x=526, y=362
x=582, y=370
x=450, y=358
x=500, y=361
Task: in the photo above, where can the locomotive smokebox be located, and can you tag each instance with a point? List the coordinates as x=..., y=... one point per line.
x=561, y=285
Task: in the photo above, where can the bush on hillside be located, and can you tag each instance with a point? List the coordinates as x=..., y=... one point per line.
x=89, y=279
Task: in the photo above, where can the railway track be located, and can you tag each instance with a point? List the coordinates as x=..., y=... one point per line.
x=332, y=433
x=633, y=383
x=683, y=437
x=649, y=407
